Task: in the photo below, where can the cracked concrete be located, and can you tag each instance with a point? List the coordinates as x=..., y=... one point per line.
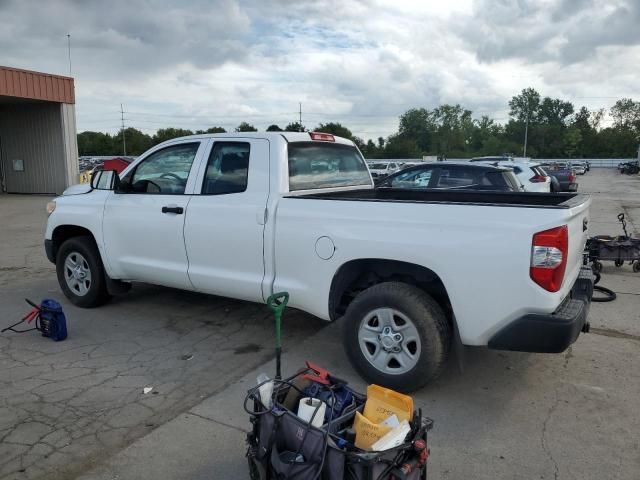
x=508, y=415
x=66, y=406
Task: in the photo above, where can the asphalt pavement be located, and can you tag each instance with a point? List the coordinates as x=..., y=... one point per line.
x=507, y=415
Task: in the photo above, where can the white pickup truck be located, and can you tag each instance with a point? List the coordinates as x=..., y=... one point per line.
x=411, y=273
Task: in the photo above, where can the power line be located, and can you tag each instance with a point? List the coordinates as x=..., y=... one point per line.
x=222, y=115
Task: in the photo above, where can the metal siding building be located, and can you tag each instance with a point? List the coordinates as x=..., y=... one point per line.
x=38, y=143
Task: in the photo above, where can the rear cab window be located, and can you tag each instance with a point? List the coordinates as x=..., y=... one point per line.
x=315, y=165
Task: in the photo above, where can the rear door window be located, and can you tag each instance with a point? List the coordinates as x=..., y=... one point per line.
x=456, y=178
x=418, y=178
x=227, y=168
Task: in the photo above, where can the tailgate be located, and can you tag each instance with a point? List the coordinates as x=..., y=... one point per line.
x=578, y=225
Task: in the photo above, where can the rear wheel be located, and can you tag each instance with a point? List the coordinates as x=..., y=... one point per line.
x=81, y=273
x=396, y=335
x=636, y=266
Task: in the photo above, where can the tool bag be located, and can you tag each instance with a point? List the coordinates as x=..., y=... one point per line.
x=282, y=446
x=49, y=320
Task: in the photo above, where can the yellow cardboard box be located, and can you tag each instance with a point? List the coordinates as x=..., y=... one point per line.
x=384, y=402
x=381, y=404
x=367, y=432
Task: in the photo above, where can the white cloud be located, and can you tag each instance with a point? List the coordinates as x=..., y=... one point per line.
x=202, y=63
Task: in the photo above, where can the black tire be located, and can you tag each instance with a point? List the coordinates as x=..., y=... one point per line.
x=96, y=293
x=256, y=469
x=636, y=266
x=596, y=266
x=618, y=263
x=426, y=315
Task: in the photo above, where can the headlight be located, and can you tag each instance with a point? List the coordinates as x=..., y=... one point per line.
x=51, y=206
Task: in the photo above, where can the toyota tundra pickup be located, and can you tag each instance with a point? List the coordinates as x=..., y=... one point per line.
x=410, y=273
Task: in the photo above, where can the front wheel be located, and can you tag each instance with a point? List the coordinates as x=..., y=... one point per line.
x=397, y=336
x=81, y=273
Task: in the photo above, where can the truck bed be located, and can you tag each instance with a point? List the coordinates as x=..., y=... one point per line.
x=504, y=199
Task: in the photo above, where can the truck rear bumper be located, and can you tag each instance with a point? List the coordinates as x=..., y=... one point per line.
x=554, y=332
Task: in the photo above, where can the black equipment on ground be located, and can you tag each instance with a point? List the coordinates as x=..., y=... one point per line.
x=620, y=249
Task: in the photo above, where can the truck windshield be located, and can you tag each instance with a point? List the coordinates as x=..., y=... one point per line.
x=314, y=165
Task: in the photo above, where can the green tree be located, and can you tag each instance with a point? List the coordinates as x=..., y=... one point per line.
x=274, y=128
x=164, y=134
x=215, y=130
x=401, y=146
x=137, y=142
x=246, y=127
x=95, y=143
x=525, y=105
x=554, y=111
x=572, y=140
x=454, y=127
x=295, y=127
x=370, y=150
x=626, y=117
x=334, y=128
x=417, y=126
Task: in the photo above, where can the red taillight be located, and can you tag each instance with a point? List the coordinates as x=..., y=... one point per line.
x=572, y=177
x=538, y=179
x=549, y=250
x=323, y=137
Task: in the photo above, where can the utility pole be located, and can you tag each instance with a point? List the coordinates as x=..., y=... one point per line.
x=300, y=116
x=526, y=130
x=69, y=50
x=124, y=141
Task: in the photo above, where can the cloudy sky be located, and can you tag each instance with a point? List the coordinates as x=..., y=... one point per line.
x=199, y=63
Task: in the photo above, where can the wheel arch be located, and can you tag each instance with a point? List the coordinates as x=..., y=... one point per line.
x=63, y=233
x=359, y=274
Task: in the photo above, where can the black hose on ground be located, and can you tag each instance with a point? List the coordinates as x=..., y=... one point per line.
x=610, y=295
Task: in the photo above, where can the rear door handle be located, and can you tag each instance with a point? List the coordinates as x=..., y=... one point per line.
x=173, y=209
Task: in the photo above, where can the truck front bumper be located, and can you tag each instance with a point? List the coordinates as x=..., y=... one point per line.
x=554, y=332
x=48, y=249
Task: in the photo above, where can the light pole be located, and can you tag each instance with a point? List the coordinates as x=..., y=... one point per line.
x=124, y=141
x=526, y=130
x=69, y=50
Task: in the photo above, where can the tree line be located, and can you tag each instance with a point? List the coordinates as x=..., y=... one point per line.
x=554, y=128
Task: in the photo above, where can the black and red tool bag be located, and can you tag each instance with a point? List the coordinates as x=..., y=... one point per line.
x=282, y=446
x=49, y=320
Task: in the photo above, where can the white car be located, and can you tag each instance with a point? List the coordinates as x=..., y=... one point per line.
x=382, y=169
x=412, y=273
x=579, y=167
x=530, y=175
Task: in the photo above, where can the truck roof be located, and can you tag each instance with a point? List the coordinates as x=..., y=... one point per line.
x=287, y=136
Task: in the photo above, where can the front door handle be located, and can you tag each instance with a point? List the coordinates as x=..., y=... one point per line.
x=173, y=209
